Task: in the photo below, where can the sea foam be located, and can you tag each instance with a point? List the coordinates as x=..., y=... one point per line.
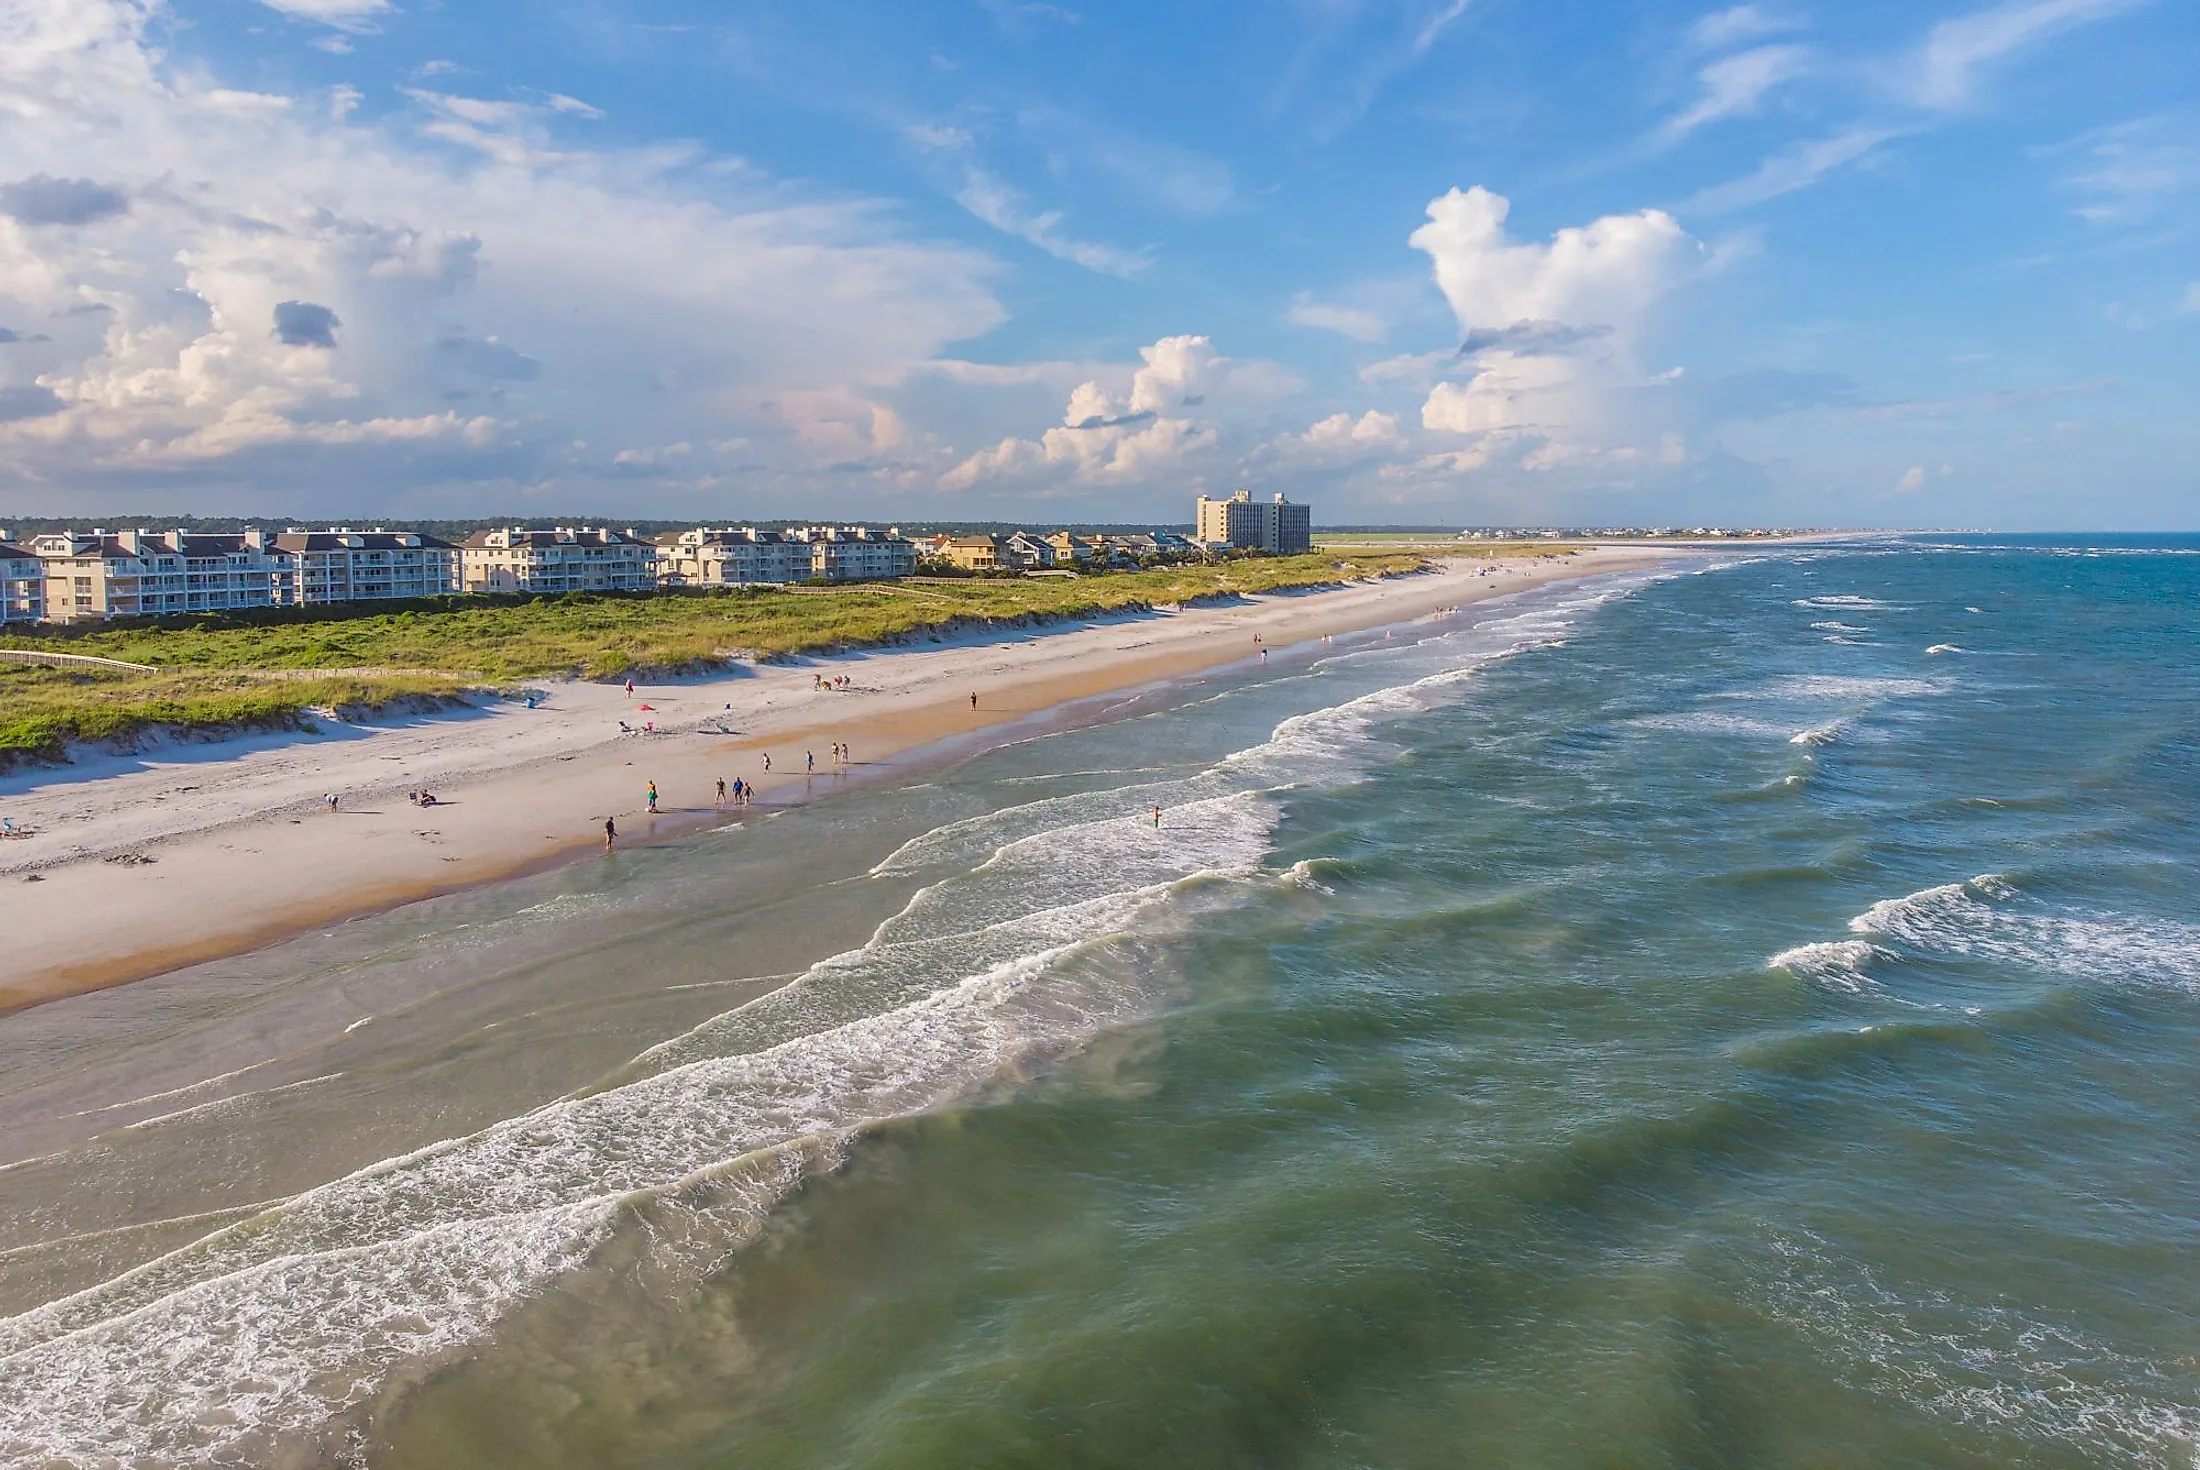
x=253, y=1342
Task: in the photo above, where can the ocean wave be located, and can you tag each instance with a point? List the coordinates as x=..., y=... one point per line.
x=1840, y=686
x=1836, y=627
x=249, y=1343
x=1943, y=648
x=1824, y=734
x=1846, y=599
x=1991, y=1365
x=1838, y=963
x=1980, y=919
x=1328, y=745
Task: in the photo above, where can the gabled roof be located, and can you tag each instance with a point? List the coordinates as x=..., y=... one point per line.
x=296, y=541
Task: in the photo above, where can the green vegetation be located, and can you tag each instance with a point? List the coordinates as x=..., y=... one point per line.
x=272, y=669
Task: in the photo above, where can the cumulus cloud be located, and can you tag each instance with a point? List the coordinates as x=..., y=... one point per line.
x=44, y=200
x=1605, y=273
x=1912, y=479
x=675, y=302
x=1550, y=330
x=305, y=324
x=32, y=402
x=1109, y=436
x=1529, y=338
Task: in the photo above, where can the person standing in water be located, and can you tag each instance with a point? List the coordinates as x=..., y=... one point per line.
x=973, y=701
x=610, y=832
x=721, y=799
x=1157, y=818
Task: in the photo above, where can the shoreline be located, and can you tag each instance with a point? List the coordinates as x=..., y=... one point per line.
x=519, y=791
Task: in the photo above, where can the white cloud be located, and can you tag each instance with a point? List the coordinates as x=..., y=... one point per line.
x=573, y=106
x=1796, y=167
x=1913, y=478
x=1604, y=273
x=1944, y=71
x=622, y=296
x=2191, y=302
x=1552, y=332
x=1106, y=436
x=1733, y=86
x=1358, y=323
x=1738, y=23
x=346, y=14
x=1005, y=210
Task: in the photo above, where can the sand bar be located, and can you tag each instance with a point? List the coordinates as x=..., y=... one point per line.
x=243, y=850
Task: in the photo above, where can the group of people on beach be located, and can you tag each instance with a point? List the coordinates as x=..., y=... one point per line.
x=421, y=798
x=838, y=681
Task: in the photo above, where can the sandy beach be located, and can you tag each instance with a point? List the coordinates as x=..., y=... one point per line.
x=139, y=864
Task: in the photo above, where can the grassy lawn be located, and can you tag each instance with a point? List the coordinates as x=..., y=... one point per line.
x=216, y=675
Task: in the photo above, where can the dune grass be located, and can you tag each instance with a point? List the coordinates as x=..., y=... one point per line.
x=215, y=672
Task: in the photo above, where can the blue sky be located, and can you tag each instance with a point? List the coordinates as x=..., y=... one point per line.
x=1439, y=261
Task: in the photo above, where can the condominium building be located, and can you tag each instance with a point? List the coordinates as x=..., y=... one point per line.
x=114, y=574
x=343, y=565
x=1243, y=521
x=22, y=584
x=568, y=559
x=731, y=557
x=857, y=553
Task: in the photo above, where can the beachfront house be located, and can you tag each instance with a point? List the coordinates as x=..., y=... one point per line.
x=975, y=553
x=1022, y=549
x=567, y=559
x=22, y=584
x=114, y=574
x=343, y=565
x=1074, y=550
x=1249, y=524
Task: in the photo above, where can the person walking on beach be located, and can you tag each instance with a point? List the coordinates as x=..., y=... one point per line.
x=767, y=763
x=630, y=689
x=653, y=798
x=610, y=832
x=1157, y=819
x=973, y=701
x=809, y=762
x=721, y=798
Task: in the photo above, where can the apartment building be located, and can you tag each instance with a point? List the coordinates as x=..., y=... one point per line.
x=567, y=559
x=22, y=584
x=1278, y=525
x=116, y=574
x=343, y=565
x=857, y=553
x=731, y=557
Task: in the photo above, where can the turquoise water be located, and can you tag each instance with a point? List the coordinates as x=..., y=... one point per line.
x=1748, y=1016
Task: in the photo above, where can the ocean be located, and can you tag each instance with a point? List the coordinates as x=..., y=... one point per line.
x=1745, y=1013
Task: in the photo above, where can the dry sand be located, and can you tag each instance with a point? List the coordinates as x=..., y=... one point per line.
x=243, y=850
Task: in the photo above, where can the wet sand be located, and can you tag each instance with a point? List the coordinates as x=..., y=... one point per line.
x=243, y=851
